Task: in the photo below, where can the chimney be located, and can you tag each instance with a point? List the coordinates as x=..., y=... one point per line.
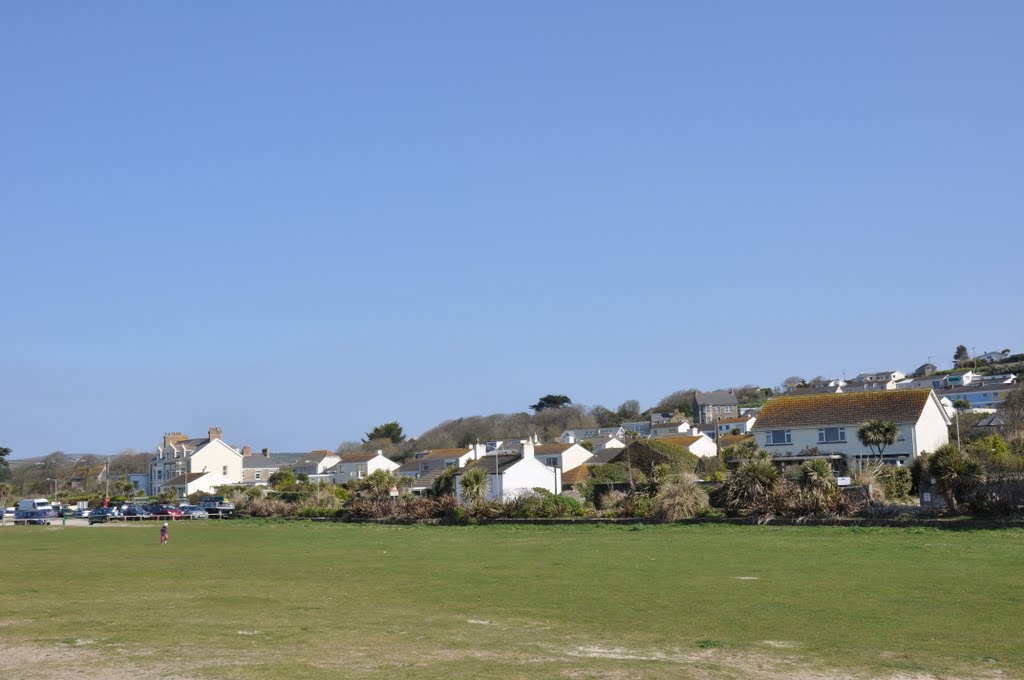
x=171, y=438
x=216, y=433
x=528, y=450
x=695, y=431
x=266, y=453
x=479, y=451
x=570, y=439
x=246, y=450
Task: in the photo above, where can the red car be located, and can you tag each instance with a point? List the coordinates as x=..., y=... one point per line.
x=165, y=511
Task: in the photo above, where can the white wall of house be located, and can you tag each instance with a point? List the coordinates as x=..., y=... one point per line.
x=704, y=447
x=215, y=457
x=570, y=459
x=344, y=472
x=933, y=428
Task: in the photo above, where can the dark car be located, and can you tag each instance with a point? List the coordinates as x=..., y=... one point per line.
x=164, y=511
x=104, y=515
x=136, y=512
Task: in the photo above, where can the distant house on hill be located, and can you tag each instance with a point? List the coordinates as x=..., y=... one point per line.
x=710, y=405
x=827, y=424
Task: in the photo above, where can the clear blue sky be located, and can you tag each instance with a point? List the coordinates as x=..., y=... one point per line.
x=299, y=220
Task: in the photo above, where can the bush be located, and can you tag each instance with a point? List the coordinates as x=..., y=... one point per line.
x=635, y=505
x=751, y=482
x=1003, y=496
x=957, y=475
x=897, y=482
x=678, y=500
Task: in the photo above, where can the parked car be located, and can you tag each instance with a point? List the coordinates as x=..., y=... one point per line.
x=104, y=515
x=9, y=512
x=136, y=512
x=81, y=512
x=34, y=511
x=193, y=512
x=164, y=511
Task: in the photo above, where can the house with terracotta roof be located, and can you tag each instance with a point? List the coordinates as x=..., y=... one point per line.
x=788, y=426
x=357, y=465
x=513, y=475
x=195, y=464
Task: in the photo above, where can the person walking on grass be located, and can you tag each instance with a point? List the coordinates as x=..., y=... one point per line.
x=163, y=534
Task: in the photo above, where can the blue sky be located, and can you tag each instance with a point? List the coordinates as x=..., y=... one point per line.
x=297, y=221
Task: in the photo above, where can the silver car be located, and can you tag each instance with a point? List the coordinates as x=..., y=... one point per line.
x=193, y=512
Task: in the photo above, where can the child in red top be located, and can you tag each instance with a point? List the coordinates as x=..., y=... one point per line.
x=163, y=534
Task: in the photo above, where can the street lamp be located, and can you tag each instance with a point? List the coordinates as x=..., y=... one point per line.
x=52, y=479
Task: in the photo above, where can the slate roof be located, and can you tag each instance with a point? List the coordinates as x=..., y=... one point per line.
x=435, y=454
x=807, y=391
x=187, y=478
x=901, y=406
x=716, y=399
x=505, y=461
x=258, y=463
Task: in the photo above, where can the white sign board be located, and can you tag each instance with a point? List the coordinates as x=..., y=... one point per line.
x=926, y=497
x=394, y=492
x=843, y=481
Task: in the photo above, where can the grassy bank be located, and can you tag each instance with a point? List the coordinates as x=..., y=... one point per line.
x=301, y=600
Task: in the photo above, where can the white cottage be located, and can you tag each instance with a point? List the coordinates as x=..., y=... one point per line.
x=513, y=475
x=359, y=465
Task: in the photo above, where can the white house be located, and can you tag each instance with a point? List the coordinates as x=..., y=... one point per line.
x=742, y=423
x=787, y=426
x=668, y=429
x=513, y=475
x=875, y=380
x=565, y=457
x=359, y=465
x=602, y=443
x=195, y=465
x=698, y=444
x=317, y=463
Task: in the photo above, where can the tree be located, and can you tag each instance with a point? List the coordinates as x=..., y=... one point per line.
x=391, y=431
x=444, y=483
x=878, y=434
x=1013, y=415
x=961, y=355
x=751, y=481
x=5, y=467
x=629, y=410
x=680, y=400
x=587, y=444
x=551, y=401
x=282, y=480
x=475, y=484
x=605, y=417
x=6, y=492
x=961, y=404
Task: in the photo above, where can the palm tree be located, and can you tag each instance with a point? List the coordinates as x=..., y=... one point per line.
x=878, y=434
x=475, y=484
x=816, y=474
x=955, y=473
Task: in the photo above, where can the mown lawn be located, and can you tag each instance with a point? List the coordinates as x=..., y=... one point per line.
x=248, y=599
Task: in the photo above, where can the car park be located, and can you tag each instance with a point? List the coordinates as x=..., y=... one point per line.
x=34, y=511
x=217, y=506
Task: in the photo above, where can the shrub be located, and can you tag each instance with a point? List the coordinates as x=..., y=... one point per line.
x=681, y=499
x=751, y=482
x=1003, y=496
x=635, y=505
x=611, y=500
x=897, y=482
x=957, y=475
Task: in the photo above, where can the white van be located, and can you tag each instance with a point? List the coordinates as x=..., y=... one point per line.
x=34, y=511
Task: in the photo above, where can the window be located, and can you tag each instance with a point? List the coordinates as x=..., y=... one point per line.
x=225, y=473
x=778, y=437
x=159, y=475
x=829, y=435
x=551, y=461
x=259, y=475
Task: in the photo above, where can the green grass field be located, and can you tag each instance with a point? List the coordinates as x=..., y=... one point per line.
x=248, y=599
